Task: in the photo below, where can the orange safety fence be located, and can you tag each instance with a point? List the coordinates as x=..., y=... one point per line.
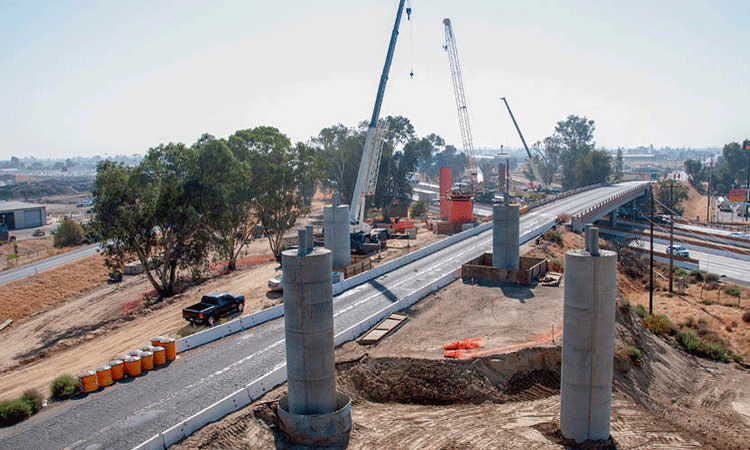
x=467, y=343
x=537, y=339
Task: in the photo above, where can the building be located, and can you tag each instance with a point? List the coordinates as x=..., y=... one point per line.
x=19, y=215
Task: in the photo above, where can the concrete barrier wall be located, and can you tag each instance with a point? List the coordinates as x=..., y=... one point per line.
x=231, y=327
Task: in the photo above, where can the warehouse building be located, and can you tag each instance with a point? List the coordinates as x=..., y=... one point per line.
x=19, y=215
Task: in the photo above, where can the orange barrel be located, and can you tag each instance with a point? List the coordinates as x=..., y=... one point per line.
x=133, y=352
x=148, y=348
x=156, y=340
x=104, y=376
x=160, y=356
x=147, y=360
x=116, y=369
x=133, y=366
x=87, y=381
x=169, y=346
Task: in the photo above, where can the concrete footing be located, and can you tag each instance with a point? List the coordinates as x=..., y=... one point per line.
x=330, y=430
x=588, y=343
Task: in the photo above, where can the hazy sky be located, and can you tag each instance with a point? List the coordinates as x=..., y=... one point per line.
x=117, y=77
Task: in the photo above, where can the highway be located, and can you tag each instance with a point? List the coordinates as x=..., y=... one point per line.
x=32, y=268
x=128, y=413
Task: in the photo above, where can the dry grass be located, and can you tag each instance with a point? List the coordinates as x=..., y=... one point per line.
x=32, y=294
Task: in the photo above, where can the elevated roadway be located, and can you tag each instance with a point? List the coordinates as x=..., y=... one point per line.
x=128, y=413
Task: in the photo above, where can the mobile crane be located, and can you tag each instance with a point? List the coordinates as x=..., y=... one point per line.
x=369, y=166
x=530, y=159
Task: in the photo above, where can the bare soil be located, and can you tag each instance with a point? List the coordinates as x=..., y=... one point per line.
x=72, y=319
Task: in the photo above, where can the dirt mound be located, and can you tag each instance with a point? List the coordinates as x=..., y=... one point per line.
x=45, y=188
x=704, y=399
x=436, y=382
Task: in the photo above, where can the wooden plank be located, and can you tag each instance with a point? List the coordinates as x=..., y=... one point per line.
x=383, y=329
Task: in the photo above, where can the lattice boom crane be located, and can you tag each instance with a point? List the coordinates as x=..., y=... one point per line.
x=458, y=90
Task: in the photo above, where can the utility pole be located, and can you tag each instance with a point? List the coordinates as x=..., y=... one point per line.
x=651, y=265
x=708, y=205
x=671, y=234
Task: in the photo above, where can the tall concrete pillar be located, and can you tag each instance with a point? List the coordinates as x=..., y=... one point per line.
x=588, y=341
x=312, y=413
x=336, y=232
x=505, y=233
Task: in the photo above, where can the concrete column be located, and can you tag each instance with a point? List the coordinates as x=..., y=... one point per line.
x=336, y=232
x=505, y=234
x=588, y=341
x=308, y=320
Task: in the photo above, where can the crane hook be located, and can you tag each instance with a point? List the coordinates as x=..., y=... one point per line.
x=411, y=74
x=408, y=13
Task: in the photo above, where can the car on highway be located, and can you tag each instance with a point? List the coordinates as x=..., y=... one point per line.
x=740, y=235
x=678, y=250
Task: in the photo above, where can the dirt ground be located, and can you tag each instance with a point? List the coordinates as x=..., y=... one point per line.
x=72, y=320
x=406, y=395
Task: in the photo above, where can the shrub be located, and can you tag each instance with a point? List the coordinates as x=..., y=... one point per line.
x=419, y=209
x=697, y=275
x=734, y=291
x=13, y=411
x=64, y=386
x=68, y=234
x=34, y=399
x=680, y=272
x=746, y=316
x=641, y=311
x=553, y=236
x=660, y=324
x=688, y=340
x=711, y=278
x=708, y=302
x=634, y=353
x=624, y=305
x=563, y=218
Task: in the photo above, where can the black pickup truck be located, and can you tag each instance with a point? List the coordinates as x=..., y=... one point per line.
x=213, y=306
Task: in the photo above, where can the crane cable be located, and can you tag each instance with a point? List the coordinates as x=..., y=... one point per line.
x=411, y=38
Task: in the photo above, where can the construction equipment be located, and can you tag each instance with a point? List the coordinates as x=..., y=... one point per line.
x=461, y=107
x=369, y=165
x=530, y=159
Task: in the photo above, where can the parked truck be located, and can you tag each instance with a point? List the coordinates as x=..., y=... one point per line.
x=214, y=306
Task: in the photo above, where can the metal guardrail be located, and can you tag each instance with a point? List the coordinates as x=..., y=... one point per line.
x=592, y=210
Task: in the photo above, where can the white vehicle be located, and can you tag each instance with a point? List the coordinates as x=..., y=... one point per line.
x=276, y=284
x=678, y=250
x=740, y=235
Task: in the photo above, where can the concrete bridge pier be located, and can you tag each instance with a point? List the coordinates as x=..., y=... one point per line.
x=505, y=233
x=336, y=231
x=588, y=341
x=313, y=413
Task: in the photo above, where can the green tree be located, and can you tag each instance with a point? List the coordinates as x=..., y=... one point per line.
x=69, y=234
x=280, y=169
x=697, y=173
x=339, y=150
x=617, y=170
x=547, y=155
x=581, y=165
x=151, y=211
x=673, y=202
x=225, y=189
x=396, y=165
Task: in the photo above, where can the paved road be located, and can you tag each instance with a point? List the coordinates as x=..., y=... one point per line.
x=126, y=414
x=47, y=263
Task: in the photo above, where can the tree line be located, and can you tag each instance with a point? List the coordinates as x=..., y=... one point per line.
x=184, y=206
x=729, y=172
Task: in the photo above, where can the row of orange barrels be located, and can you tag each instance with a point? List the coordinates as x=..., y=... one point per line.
x=131, y=364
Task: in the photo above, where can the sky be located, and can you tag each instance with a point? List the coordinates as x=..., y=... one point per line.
x=84, y=78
